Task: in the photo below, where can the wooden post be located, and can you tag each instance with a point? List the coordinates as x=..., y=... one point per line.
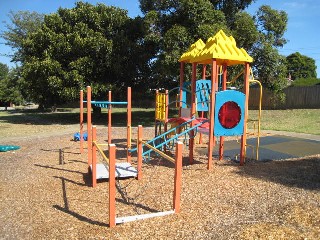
x=246, y=92
x=177, y=178
x=224, y=87
x=81, y=121
x=109, y=118
x=89, y=127
x=129, y=125
x=212, y=105
x=61, y=156
x=139, y=152
x=112, y=185
x=94, y=156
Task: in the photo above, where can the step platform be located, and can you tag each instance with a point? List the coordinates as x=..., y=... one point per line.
x=123, y=170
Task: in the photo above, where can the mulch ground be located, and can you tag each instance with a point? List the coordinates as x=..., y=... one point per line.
x=42, y=199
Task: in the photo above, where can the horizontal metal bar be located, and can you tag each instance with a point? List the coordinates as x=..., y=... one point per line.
x=172, y=138
x=107, y=102
x=101, y=152
x=142, y=216
x=159, y=152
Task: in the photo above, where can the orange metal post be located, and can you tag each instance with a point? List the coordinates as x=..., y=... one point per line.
x=109, y=118
x=94, y=157
x=193, y=109
x=224, y=87
x=177, y=178
x=81, y=121
x=204, y=69
x=212, y=105
x=246, y=92
x=112, y=185
x=89, y=127
x=139, y=152
x=129, y=125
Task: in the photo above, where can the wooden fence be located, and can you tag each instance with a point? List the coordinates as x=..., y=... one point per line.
x=296, y=97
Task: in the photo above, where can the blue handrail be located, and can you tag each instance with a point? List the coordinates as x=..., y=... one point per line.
x=164, y=135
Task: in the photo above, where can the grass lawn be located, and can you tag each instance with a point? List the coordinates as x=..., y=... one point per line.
x=294, y=120
x=15, y=123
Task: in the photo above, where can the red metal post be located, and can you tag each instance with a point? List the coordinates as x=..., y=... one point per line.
x=112, y=185
x=89, y=127
x=94, y=157
x=129, y=125
x=177, y=178
x=139, y=152
x=212, y=105
x=246, y=92
x=81, y=121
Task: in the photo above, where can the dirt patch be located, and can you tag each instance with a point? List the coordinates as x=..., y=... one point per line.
x=41, y=199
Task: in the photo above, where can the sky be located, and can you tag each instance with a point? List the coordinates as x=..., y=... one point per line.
x=302, y=33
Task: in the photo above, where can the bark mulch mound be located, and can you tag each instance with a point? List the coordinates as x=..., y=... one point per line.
x=42, y=199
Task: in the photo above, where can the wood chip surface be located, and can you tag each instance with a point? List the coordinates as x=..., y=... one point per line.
x=42, y=199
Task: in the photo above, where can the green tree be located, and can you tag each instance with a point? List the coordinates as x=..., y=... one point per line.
x=85, y=45
x=269, y=65
x=9, y=85
x=4, y=70
x=174, y=26
x=244, y=30
x=231, y=8
x=272, y=24
x=22, y=23
x=300, y=66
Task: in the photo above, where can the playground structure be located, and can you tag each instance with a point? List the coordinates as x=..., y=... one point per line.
x=99, y=170
x=112, y=170
x=226, y=110
x=222, y=112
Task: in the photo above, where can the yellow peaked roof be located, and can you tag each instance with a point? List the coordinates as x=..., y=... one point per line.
x=219, y=47
x=192, y=51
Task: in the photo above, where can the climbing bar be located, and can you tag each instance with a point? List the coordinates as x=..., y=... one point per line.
x=101, y=151
x=143, y=216
x=164, y=134
x=107, y=102
x=159, y=152
x=172, y=130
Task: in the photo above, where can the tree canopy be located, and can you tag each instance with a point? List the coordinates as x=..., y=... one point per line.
x=85, y=45
x=22, y=24
x=300, y=66
x=10, y=85
x=102, y=46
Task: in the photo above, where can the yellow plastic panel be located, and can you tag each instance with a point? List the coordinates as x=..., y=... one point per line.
x=192, y=51
x=223, y=49
x=161, y=107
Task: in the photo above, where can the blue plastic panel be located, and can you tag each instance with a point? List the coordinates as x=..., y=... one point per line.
x=221, y=98
x=203, y=90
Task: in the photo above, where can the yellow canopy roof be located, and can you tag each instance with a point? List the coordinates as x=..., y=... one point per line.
x=192, y=51
x=223, y=49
